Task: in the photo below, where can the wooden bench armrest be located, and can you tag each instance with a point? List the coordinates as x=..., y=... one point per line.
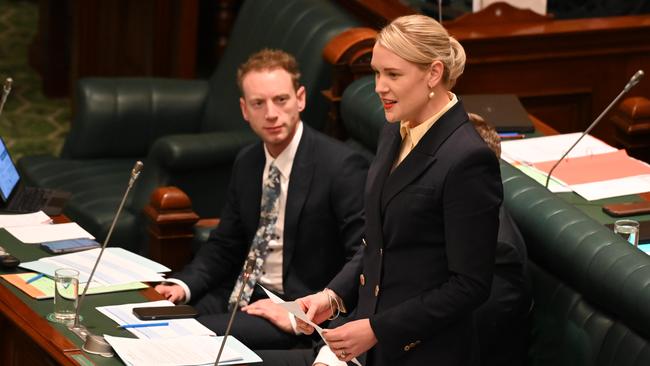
x=170, y=227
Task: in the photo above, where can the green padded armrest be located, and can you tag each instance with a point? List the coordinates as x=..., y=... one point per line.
x=184, y=152
x=580, y=250
x=133, y=111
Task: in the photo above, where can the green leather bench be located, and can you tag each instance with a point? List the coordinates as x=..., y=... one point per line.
x=187, y=132
x=591, y=289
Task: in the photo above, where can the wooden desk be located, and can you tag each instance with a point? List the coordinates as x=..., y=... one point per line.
x=27, y=338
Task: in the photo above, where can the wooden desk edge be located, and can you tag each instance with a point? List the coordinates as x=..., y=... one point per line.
x=37, y=328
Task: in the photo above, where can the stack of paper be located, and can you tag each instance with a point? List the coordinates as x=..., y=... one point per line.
x=123, y=314
x=179, y=342
x=43, y=288
x=117, y=266
x=30, y=219
x=593, y=169
x=189, y=350
x=35, y=234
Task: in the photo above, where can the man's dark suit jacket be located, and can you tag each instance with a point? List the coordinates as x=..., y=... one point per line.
x=431, y=231
x=322, y=226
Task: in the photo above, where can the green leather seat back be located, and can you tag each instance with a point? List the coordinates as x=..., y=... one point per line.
x=362, y=114
x=591, y=288
x=300, y=27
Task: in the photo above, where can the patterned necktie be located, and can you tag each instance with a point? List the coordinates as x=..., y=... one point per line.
x=265, y=233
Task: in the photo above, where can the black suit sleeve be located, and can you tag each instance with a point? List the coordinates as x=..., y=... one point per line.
x=220, y=257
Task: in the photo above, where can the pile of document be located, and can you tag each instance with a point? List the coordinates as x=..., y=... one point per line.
x=593, y=169
x=176, y=342
x=118, y=266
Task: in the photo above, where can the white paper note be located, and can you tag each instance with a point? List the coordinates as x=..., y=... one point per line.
x=123, y=314
x=35, y=234
x=191, y=350
x=295, y=309
x=30, y=219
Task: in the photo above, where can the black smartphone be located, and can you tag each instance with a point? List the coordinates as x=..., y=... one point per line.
x=165, y=312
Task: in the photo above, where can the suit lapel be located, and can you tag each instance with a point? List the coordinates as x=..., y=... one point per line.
x=423, y=155
x=302, y=173
x=251, y=192
x=388, y=144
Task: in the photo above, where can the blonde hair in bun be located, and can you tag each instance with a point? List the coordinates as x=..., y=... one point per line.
x=422, y=40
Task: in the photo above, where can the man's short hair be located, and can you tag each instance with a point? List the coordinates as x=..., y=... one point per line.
x=487, y=132
x=269, y=59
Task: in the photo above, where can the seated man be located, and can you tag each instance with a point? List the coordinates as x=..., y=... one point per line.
x=295, y=203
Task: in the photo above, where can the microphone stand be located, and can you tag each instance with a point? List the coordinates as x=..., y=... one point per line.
x=93, y=343
x=630, y=84
x=250, y=263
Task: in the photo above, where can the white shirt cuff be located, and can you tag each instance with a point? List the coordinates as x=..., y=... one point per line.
x=326, y=356
x=183, y=285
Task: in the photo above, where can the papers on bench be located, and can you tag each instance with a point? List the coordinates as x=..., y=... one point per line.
x=594, y=170
x=181, y=342
x=118, y=266
x=190, y=350
x=35, y=234
x=123, y=314
x=36, y=218
x=43, y=288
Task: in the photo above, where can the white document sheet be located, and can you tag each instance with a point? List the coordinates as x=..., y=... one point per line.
x=551, y=148
x=123, y=314
x=191, y=350
x=30, y=219
x=295, y=309
x=613, y=188
x=554, y=185
x=117, y=266
x=35, y=234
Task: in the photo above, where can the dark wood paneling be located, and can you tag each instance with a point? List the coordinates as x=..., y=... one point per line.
x=79, y=38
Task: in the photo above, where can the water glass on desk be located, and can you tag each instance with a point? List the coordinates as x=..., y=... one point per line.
x=66, y=294
x=629, y=230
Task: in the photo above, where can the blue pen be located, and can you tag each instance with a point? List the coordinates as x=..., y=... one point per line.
x=143, y=325
x=40, y=275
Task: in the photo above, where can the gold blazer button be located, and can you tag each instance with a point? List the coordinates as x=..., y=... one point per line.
x=362, y=279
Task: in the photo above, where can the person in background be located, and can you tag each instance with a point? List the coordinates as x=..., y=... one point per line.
x=294, y=203
x=432, y=204
x=502, y=321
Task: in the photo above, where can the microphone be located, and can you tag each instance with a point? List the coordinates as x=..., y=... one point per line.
x=93, y=343
x=630, y=84
x=6, y=89
x=250, y=264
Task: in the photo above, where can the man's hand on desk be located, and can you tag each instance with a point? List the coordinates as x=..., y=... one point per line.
x=274, y=313
x=171, y=292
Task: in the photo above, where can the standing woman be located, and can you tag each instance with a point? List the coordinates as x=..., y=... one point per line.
x=432, y=205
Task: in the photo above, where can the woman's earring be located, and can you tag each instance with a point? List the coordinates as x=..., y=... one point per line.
x=432, y=94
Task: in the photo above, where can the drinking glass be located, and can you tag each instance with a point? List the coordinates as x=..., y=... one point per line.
x=66, y=294
x=629, y=230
